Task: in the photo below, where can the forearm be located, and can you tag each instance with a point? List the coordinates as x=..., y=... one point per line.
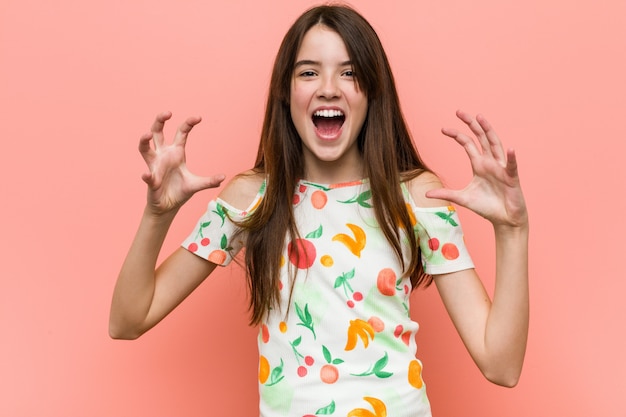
x=507, y=324
x=135, y=287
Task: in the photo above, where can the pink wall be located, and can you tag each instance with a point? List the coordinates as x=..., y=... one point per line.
x=81, y=80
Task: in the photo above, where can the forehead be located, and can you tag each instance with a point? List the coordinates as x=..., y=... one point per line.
x=321, y=43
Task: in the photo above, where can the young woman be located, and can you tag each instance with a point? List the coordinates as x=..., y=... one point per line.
x=340, y=220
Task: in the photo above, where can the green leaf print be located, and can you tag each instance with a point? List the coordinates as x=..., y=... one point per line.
x=220, y=211
x=378, y=368
x=325, y=411
x=342, y=281
x=315, y=234
x=321, y=187
x=447, y=217
x=277, y=375
x=305, y=318
x=361, y=199
x=294, y=346
x=202, y=226
x=329, y=358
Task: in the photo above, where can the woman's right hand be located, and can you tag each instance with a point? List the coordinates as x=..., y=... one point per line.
x=170, y=184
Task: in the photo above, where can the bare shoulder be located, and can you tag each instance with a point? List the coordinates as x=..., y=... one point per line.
x=419, y=185
x=242, y=189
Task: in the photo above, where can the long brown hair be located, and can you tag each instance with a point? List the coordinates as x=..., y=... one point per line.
x=384, y=141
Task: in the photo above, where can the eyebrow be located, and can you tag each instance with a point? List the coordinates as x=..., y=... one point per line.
x=311, y=62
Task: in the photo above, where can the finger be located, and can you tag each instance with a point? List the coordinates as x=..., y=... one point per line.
x=476, y=129
x=494, y=141
x=157, y=127
x=184, y=129
x=144, y=147
x=202, y=183
x=452, y=196
x=511, y=163
x=462, y=139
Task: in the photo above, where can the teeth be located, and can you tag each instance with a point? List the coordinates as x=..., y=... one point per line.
x=328, y=113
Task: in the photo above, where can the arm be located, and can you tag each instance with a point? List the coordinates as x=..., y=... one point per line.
x=495, y=333
x=143, y=295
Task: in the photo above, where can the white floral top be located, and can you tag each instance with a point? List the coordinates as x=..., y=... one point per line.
x=344, y=344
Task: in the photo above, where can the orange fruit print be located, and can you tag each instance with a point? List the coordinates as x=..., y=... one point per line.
x=217, y=257
x=386, y=282
x=450, y=251
x=329, y=374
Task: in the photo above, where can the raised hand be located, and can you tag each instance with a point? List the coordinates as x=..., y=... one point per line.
x=170, y=184
x=494, y=191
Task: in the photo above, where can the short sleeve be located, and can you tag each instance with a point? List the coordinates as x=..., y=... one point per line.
x=215, y=237
x=441, y=241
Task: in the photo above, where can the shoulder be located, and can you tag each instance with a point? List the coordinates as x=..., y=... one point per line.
x=422, y=182
x=241, y=191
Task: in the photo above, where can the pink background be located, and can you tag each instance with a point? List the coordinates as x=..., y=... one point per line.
x=80, y=81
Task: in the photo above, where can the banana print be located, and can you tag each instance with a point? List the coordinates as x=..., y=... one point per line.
x=380, y=410
x=356, y=244
x=362, y=329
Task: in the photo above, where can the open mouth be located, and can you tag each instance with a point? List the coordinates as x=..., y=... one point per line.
x=328, y=122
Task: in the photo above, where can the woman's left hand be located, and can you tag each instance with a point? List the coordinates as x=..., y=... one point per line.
x=494, y=191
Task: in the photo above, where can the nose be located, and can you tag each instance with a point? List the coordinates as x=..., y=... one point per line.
x=328, y=88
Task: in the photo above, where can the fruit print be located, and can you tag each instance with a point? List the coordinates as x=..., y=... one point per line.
x=415, y=374
x=380, y=409
x=356, y=244
x=361, y=329
x=406, y=337
x=386, y=282
x=302, y=252
x=343, y=282
x=377, y=324
x=264, y=369
x=450, y=251
x=217, y=257
x=268, y=376
x=329, y=374
x=265, y=333
x=327, y=260
x=319, y=199
x=302, y=370
x=282, y=326
x=351, y=279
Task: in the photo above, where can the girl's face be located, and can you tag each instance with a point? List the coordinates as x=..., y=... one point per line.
x=327, y=108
